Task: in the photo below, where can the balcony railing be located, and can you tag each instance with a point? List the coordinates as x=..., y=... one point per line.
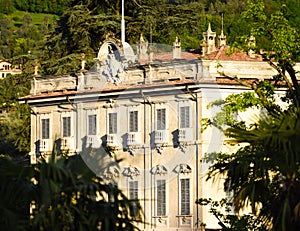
x=46, y=145
x=67, y=143
x=134, y=138
x=93, y=141
x=161, y=136
x=112, y=140
x=185, y=134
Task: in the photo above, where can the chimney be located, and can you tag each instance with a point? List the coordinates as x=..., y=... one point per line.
x=222, y=39
x=36, y=68
x=251, y=45
x=142, y=49
x=177, y=49
x=209, y=40
x=83, y=61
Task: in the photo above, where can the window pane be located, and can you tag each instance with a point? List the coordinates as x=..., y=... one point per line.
x=92, y=125
x=133, y=196
x=133, y=121
x=161, y=197
x=45, y=128
x=112, y=123
x=66, y=126
x=185, y=196
x=185, y=117
x=161, y=119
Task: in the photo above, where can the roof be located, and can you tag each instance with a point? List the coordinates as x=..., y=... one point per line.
x=109, y=88
x=168, y=57
x=119, y=88
x=4, y=61
x=228, y=53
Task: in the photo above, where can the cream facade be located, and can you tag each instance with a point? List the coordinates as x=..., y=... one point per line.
x=153, y=126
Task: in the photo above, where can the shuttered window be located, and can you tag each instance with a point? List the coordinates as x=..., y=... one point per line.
x=66, y=126
x=161, y=119
x=161, y=198
x=133, y=196
x=185, y=117
x=112, y=123
x=185, y=196
x=45, y=128
x=133, y=121
x=92, y=124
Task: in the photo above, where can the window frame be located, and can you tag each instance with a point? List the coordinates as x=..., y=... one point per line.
x=66, y=132
x=47, y=127
x=165, y=107
x=113, y=124
x=92, y=124
x=133, y=120
x=161, y=211
x=184, y=206
x=161, y=118
x=133, y=196
x=184, y=116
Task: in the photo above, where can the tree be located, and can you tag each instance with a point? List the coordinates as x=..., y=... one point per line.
x=264, y=172
x=229, y=221
x=6, y=7
x=79, y=30
x=15, y=118
x=5, y=37
x=63, y=193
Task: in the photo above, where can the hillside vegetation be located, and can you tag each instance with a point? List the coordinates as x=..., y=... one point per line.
x=37, y=18
x=79, y=26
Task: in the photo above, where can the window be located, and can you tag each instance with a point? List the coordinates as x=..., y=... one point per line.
x=112, y=123
x=185, y=196
x=133, y=121
x=161, y=198
x=133, y=190
x=185, y=117
x=92, y=124
x=66, y=126
x=133, y=197
x=161, y=119
x=45, y=128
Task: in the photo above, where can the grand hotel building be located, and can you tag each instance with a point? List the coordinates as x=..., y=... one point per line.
x=144, y=105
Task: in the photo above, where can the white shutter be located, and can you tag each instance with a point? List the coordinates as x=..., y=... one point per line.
x=161, y=119
x=133, y=121
x=45, y=128
x=113, y=123
x=161, y=198
x=185, y=117
x=185, y=196
x=92, y=124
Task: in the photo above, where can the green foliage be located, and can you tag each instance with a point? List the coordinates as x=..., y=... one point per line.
x=15, y=131
x=83, y=25
x=41, y=6
x=6, y=7
x=255, y=15
x=263, y=172
x=65, y=195
x=230, y=107
x=15, y=192
x=15, y=118
x=229, y=221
